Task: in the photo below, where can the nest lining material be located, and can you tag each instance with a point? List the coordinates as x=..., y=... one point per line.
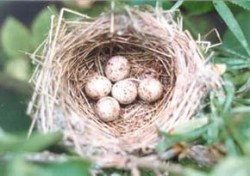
x=155, y=45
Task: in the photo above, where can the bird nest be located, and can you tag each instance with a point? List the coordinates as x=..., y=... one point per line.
x=155, y=45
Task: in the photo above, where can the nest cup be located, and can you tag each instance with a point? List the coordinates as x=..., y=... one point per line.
x=154, y=44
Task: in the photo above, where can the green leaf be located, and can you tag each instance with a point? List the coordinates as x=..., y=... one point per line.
x=233, y=166
x=21, y=167
x=41, y=25
x=230, y=91
x=244, y=101
x=15, y=38
x=36, y=142
x=233, y=63
x=141, y=2
x=171, y=139
x=231, y=22
x=72, y=167
x=247, y=147
x=191, y=125
x=230, y=44
x=245, y=87
x=18, y=68
x=242, y=3
x=236, y=79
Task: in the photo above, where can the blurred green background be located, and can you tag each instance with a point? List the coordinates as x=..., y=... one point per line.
x=24, y=25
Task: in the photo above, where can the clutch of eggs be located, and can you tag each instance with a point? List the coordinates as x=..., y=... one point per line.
x=124, y=91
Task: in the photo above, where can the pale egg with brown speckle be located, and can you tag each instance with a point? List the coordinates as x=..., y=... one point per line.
x=150, y=89
x=107, y=109
x=97, y=87
x=125, y=91
x=117, y=68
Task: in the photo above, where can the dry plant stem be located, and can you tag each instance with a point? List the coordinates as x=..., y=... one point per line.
x=155, y=45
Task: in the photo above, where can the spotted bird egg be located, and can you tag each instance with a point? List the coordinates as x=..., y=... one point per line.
x=125, y=91
x=150, y=89
x=117, y=68
x=97, y=87
x=107, y=109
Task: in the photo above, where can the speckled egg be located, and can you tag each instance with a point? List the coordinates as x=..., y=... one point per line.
x=125, y=91
x=97, y=87
x=107, y=109
x=117, y=68
x=150, y=89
